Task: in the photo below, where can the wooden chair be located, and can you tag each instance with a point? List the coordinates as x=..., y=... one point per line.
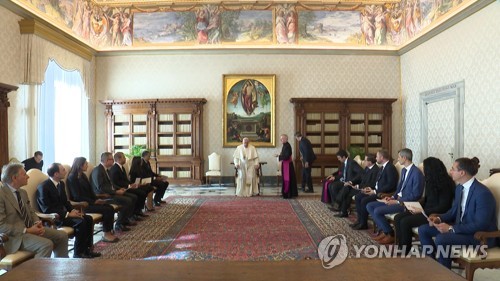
x=492, y=260
x=214, y=167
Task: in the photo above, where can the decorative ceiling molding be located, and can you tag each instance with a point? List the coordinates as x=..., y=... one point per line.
x=56, y=31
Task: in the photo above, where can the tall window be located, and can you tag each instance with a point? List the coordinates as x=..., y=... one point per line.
x=63, y=116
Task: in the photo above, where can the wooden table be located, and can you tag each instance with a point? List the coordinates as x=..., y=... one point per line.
x=134, y=270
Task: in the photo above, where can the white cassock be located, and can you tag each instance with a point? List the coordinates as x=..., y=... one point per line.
x=247, y=180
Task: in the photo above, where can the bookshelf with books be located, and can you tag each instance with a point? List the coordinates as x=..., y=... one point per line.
x=334, y=123
x=170, y=128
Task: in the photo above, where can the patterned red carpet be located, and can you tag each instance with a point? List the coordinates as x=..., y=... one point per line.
x=231, y=228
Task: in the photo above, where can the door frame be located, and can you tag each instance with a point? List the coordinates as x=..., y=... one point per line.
x=455, y=91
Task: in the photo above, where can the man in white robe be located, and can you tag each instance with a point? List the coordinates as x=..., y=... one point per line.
x=246, y=161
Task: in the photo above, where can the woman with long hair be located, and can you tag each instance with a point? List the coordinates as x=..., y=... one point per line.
x=81, y=191
x=438, y=197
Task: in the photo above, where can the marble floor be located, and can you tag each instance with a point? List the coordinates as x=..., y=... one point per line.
x=216, y=190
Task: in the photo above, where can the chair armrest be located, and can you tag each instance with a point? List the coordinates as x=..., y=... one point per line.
x=48, y=219
x=484, y=235
x=102, y=196
x=79, y=205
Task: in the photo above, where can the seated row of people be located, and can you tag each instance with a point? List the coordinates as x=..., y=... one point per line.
x=455, y=214
x=108, y=184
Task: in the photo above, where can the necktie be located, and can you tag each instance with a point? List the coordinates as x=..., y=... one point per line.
x=403, y=175
x=24, y=213
x=345, y=172
x=460, y=211
x=109, y=179
x=124, y=172
x=379, y=176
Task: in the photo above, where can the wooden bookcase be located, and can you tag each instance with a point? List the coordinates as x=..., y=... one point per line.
x=4, y=120
x=334, y=123
x=170, y=128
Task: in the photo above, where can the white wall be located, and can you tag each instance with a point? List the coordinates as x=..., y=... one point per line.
x=468, y=51
x=200, y=76
x=10, y=73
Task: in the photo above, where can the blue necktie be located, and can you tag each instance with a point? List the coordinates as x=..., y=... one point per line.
x=458, y=219
x=403, y=175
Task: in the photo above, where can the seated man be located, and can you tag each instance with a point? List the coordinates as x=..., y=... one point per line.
x=369, y=179
x=52, y=198
x=101, y=183
x=410, y=188
x=387, y=180
x=120, y=179
x=35, y=162
x=473, y=210
x=158, y=181
x=19, y=221
x=351, y=174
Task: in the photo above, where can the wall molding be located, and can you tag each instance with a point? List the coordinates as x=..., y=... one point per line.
x=58, y=37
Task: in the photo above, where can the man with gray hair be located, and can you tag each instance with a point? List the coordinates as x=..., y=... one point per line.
x=102, y=185
x=19, y=221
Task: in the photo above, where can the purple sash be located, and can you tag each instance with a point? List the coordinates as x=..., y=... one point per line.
x=325, y=197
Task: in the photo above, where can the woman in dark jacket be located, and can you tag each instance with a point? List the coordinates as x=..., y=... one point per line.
x=81, y=190
x=438, y=197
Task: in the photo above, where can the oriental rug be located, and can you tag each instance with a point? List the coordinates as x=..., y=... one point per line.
x=229, y=228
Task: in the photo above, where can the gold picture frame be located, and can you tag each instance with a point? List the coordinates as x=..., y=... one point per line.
x=249, y=109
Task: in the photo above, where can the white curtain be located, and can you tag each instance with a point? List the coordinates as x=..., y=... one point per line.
x=36, y=53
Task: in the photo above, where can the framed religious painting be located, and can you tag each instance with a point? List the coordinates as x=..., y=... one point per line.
x=249, y=110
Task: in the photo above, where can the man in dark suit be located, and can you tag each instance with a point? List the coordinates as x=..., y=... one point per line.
x=473, y=210
x=387, y=180
x=410, y=188
x=158, y=181
x=307, y=156
x=369, y=178
x=51, y=197
x=35, y=162
x=350, y=174
x=24, y=229
x=102, y=185
x=120, y=179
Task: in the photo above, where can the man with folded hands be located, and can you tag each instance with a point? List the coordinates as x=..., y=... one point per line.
x=52, y=198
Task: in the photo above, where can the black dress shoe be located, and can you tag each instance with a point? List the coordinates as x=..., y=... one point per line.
x=354, y=224
x=341, y=215
x=93, y=254
x=121, y=227
x=334, y=209
x=142, y=215
x=136, y=218
x=82, y=256
x=309, y=191
x=163, y=202
x=360, y=227
x=157, y=204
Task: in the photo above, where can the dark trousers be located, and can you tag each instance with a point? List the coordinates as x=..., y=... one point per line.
x=306, y=177
x=334, y=189
x=426, y=234
x=108, y=214
x=362, y=200
x=127, y=204
x=84, y=236
x=403, y=223
x=346, y=198
x=141, y=198
x=161, y=187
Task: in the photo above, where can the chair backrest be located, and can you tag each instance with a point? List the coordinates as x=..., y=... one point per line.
x=421, y=167
x=214, y=162
x=399, y=167
x=89, y=170
x=357, y=158
x=36, y=177
x=493, y=183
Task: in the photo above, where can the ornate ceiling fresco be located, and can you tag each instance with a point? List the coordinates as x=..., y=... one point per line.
x=111, y=25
